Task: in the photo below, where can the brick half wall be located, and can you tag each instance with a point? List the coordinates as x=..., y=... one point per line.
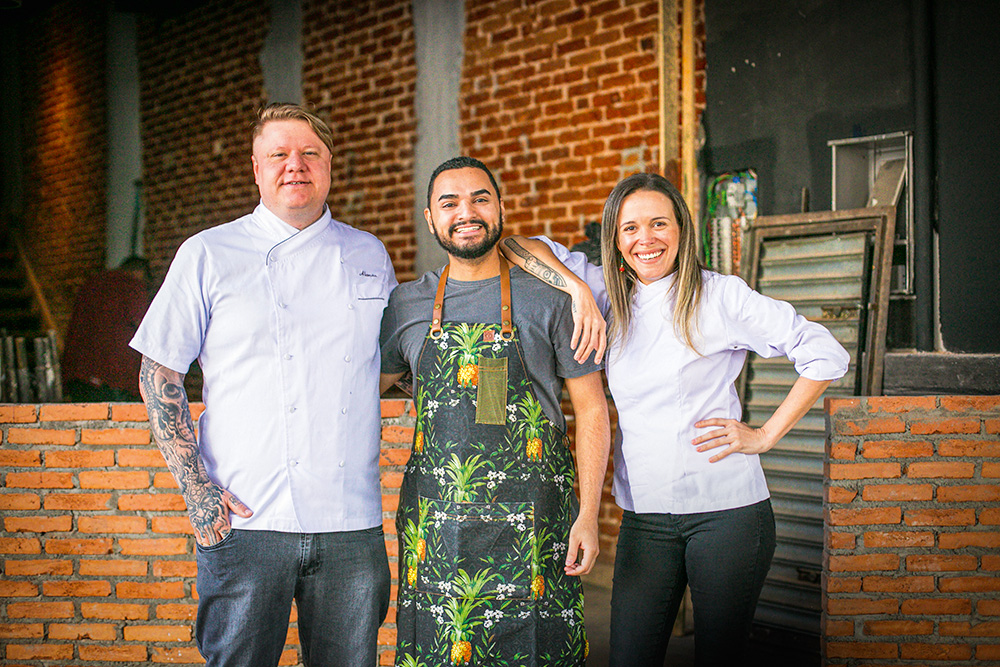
x=97, y=550
x=911, y=566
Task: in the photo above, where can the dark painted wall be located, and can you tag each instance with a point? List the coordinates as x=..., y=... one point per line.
x=785, y=77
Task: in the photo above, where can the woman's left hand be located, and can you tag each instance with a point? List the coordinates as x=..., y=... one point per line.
x=734, y=435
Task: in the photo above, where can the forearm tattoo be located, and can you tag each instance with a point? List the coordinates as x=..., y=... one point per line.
x=173, y=431
x=536, y=266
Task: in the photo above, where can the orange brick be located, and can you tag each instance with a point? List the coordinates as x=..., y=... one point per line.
x=40, y=610
x=27, y=568
x=114, y=611
x=19, y=501
x=114, y=568
x=141, y=458
x=938, y=469
x=855, y=607
x=898, y=539
x=967, y=629
x=38, y=524
x=965, y=539
x=41, y=436
x=970, y=493
x=119, y=653
x=133, y=412
x=968, y=584
x=185, y=655
x=115, y=436
x=874, y=426
x=974, y=448
x=839, y=584
x=387, y=636
x=39, y=651
x=111, y=524
x=988, y=607
x=937, y=607
x=992, y=426
x=20, y=458
x=40, y=480
x=73, y=412
x=79, y=459
x=389, y=528
x=392, y=408
x=901, y=584
x=154, y=547
x=864, y=562
x=834, y=405
x=966, y=403
x=391, y=479
x=991, y=469
x=74, y=546
x=176, y=612
x=390, y=502
x=897, y=492
x=991, y=563
x=17, y=414
x=164, y=480
x=865, y=470
x=77, y=501
x=990, y=517
x=397, y=434
x=20, y=545
x=157, y=633
x=92, y=479
x=840, y=494
x=17, y=589
x=175, y=568
x=22, y=630
x=399, y=457
x=896, y=449
x=865, y=516
x=900, y=403
x=876, y=628
x=288, y=658
x=152, y=502
x=843, y=451
x=935, y=651
x=95, y=631
x=838, y=628
x=172, y=524
x=949, y=517
x=964, y=425
x=163, y=590
x=841, y=541
x=869, y=650
x=78, y=589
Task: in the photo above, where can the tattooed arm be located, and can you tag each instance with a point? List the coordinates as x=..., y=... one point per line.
x=589, y=327
x=170, y=421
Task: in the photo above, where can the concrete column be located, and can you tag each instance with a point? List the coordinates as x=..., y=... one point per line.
x=281, y=58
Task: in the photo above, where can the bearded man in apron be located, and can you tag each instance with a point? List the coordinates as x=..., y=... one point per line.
x=492, y=538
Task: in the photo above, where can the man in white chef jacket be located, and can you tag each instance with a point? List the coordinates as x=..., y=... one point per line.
x=281, y=308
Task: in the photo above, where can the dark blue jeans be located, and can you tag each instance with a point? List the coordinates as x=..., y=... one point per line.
x=246, y=584
x=724, y=556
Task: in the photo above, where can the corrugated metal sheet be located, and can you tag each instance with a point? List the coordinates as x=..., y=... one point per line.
x=826, y=278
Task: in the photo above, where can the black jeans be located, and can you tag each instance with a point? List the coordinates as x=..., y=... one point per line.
x=724, y=556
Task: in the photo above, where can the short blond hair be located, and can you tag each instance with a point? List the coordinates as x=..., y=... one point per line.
x=286, y=111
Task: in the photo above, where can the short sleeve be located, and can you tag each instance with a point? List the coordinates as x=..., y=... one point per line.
x=561, y=335
x=773, y=328
x=173, y=328
x=589, y=273
x=389, y=338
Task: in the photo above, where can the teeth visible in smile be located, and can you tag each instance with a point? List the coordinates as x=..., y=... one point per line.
x=649, y=255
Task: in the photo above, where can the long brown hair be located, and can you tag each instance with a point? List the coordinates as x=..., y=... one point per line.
x=621, y=283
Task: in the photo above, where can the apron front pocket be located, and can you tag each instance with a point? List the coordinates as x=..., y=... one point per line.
x=491, y=394
x=489, y=543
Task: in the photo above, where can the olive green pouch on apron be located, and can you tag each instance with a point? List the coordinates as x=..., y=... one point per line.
x=491, y=395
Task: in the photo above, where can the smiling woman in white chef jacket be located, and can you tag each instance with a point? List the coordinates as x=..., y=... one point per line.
x=687, y=475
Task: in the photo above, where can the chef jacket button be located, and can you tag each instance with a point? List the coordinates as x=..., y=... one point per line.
x=291, y=408
x=347, y=358
x=350, y=306
x=343, y=411
x=294, y=462
x=341, y=464
x=287, y=357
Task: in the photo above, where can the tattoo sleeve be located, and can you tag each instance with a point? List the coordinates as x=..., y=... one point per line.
x=535, y=266
x=173, y=431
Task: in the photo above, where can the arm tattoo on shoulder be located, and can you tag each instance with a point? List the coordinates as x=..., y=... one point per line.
x=173, y=431
x=536, y=266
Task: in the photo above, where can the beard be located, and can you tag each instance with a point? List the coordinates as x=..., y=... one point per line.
x=475, y=250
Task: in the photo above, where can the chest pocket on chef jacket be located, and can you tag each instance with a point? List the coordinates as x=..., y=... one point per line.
x=369, y=300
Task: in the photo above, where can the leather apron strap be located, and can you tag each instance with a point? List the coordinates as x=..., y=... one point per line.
x=506, y=324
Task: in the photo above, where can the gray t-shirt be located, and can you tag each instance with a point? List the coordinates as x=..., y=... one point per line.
x=541, y=315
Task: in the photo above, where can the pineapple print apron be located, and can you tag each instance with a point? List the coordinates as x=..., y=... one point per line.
x=485, y=509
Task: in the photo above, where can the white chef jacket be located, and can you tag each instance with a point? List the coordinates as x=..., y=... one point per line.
x=285, y=326
x=661, y=387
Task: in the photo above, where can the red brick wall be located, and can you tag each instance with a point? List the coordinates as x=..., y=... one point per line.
x=912, y=561
x=97, y=550
x=200, y=87
x=360, y=73
x=65, y=148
